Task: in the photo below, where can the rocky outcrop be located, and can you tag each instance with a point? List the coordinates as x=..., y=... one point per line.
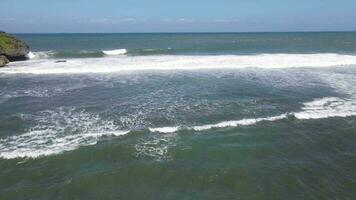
x=13, y=48
x=3, y=61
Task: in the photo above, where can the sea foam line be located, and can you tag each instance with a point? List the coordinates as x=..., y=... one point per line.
x=55, y=133
x=170, y=62
x=318, y=109
x=50, y=136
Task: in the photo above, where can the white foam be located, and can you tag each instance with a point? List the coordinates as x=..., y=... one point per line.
x=57, y=132
x=39, y=55
x=115, y=52
x=156, y=146
x=327, y=107
x=165, y=129
x=31, y=55
x=318, y=109
x=321, y=102
x=224, y=124
x=54, y=132
x=168, y=62
x=236, y=123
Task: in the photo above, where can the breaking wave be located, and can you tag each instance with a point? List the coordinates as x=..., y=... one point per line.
x=67, y=54
x=62, y=54
x=57, y=132
x=115, y=52
x=66, y=130
x=318, y=109
x=114, y=64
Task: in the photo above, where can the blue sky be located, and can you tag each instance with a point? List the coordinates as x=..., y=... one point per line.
x=44, y=16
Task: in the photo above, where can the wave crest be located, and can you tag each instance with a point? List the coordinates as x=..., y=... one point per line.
x=115, y=52
x=318, y=109
x=128, y=63
x=66, y=130
x=74, y=54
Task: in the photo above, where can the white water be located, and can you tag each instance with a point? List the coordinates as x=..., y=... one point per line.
x=115, y=52
x=31, y=55
x=54, y=132
x=317, y=109
x=64, y=129
x=134, y=63
x=42, y=55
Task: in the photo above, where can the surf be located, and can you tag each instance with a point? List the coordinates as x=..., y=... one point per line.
x=323, y=108
x=114, y=64
x=49, y=138
x=70, y=54
x=115, y=52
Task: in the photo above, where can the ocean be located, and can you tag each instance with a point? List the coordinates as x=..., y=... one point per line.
x=180, y=116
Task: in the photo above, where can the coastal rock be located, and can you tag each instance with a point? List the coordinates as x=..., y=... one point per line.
x=3, y=61
x=60, y=61
x=13, y=48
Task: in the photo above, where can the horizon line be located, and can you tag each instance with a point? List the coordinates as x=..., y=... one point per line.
x=181, y=32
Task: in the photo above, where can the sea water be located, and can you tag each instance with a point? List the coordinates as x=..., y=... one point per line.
x=180, y=116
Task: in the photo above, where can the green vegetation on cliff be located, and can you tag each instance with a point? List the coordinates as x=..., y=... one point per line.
x=13, y=48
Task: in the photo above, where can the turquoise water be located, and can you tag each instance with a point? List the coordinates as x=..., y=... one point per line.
x=180, y=116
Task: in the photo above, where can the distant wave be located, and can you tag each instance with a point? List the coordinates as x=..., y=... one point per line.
x=49, y=137
x=63, y=54
x=115, y=52
x=154, y=51
x=74, y=54
x=113, y=64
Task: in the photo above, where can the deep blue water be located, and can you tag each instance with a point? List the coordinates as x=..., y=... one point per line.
x=195, y=43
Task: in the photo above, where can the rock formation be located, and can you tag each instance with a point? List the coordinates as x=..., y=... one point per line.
x=3, y=61
x=12, y=49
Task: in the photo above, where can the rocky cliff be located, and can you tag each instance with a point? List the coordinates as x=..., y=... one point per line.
x=12, y=49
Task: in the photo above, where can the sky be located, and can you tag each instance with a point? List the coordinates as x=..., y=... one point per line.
x=105, y=16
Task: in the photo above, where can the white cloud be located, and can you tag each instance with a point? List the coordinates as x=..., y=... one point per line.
x=100, y=21
x=116, y=21
x=7, y=20
x=225, y=20
x=187, y=20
